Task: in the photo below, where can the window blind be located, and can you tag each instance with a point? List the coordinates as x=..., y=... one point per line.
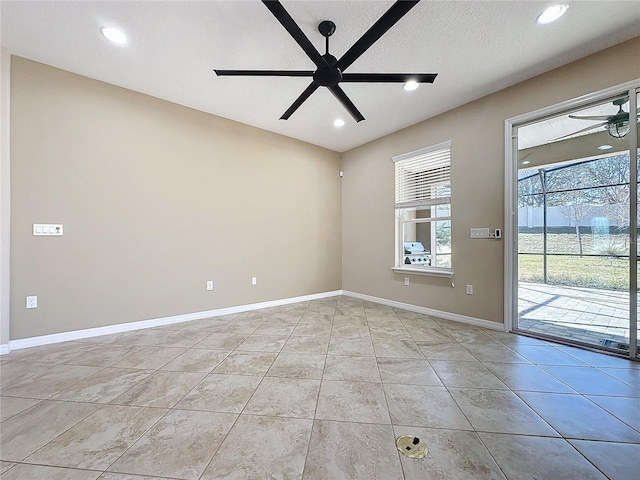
x=424, y=177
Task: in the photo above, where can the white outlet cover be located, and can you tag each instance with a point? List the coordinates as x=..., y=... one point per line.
x=254, y=280
x=209, y=284
x=32, y=301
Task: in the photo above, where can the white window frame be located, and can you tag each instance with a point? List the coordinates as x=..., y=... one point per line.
x=433, y=203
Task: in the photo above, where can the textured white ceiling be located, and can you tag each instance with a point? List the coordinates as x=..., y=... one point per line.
x=477, y=47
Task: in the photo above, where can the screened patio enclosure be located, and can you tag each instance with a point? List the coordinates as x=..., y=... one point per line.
x=575, y=227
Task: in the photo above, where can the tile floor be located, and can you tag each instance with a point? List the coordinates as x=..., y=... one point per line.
x=317, y=391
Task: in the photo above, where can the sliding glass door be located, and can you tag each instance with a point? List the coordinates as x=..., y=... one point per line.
x=575, y=268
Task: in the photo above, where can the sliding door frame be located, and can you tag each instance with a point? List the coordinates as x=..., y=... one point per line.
x=511, y=126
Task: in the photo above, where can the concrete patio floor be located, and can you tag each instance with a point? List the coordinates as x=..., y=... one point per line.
x=575, y=313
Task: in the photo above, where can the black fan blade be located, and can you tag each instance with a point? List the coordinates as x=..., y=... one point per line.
x=264, y=73
x=300, y=100
x=594, y=117
x=389, y=77
x=384, y=23
x=292, y=27
x=583, y=130
x=348, y=104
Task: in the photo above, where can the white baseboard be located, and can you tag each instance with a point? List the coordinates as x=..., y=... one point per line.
x=428, y=311
x=159, y=322
x=156, y=322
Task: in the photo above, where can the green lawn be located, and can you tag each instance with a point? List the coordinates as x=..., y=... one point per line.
x=595, y=272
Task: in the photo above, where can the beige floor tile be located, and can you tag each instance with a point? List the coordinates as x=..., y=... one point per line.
x=436, y=337
x=221, y=393
x=408, y=371
x=10, y=406
x=40, y=472
x=4, y=466
x=352, y=402
x=297, y=365
x=574, y=416
x=394, y=331
x=285, y=397
x=522, y=457
x=124, y=476
x=591, y=381
x=101, y=355
x=145, y=358
x=279, y=453
x=238, y=328
x=97, y=441
x=397, y=348
x=445, y=351
x=104, y=386
x=526, y=377
x=452, y=455
x=316, y=318
x=546, y=355
x=360, y=347
x=424, y=406
x=417, y=321
x=625, y=408
x=349, y=331
x=311, y=330
x=263, y=343
x=197, y=360
x=222, y=341
x=630, y=376
x=618, y=461
x=54, y=353
x=26, y=432
x=314, y=345
x=246, y=363
x=274, y=329
x=180, y=445
x=499, y=411
x=494, y=352
x=18, y=370
x=350, y=319
x=49, y=383
x=357, y=369
x=466, y=374
x=161, y=389
x=357, y=451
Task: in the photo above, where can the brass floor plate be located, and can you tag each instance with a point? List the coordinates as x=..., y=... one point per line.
x=411, y=446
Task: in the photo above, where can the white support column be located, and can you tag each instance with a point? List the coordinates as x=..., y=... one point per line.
x=5, y=198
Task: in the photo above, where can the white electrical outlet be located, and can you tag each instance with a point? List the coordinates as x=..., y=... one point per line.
x=209, y=284
x=406, y=281
x=469, y=289
x=32, y=301
x=254, y=280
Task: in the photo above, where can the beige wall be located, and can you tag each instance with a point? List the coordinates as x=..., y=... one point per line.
x=156, y=199
x=477, y=169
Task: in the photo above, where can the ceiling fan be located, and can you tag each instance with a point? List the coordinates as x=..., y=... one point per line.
x=330, y=71
x=617, y=125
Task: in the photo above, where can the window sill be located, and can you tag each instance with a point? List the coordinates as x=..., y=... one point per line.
x=430, y=271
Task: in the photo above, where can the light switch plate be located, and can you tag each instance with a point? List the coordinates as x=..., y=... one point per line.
x=480, y=233
x=48, y=229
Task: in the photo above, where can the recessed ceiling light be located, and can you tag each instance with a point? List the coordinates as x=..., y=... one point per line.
x=338, y=122
x=526, y=162
x=114, y=35
x=552, y=13
x=410, y=85
x=605, y=147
